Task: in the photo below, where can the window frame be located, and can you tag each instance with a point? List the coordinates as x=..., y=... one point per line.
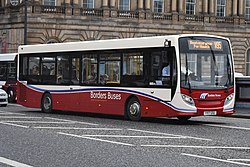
x=221, y=8
x=49, y=2
x=88, y=4
x=124, y=5
x=190, y=7
x=156, y=8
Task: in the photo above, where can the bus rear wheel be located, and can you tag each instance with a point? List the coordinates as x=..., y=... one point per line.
x=11, y=95
x=46, y=103
x=133, y=109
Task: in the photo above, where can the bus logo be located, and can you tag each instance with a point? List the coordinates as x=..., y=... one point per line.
x=203, y=95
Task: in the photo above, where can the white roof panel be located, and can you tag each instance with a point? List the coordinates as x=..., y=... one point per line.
x=7, y=56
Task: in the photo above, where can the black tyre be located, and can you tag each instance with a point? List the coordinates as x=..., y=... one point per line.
x=46, y=103
x=133, y=109
x=184, y=118
x=4, y=105
x=11, y=95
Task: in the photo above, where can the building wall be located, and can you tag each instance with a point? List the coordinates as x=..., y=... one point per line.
x=70, y=22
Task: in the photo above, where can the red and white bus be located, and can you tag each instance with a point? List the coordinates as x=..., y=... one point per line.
x=125, y=76
x=8, y=74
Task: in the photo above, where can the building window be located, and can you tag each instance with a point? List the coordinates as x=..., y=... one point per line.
x=190, y=7
x=158, y=6
x=88, y=3
x=124, y=5
x=247, y=9
x=248, y=63
x=221, y=8
x=50, y=2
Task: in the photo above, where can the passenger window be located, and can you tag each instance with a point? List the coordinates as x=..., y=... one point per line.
x=132, y=64
x=75, y=70
x=63, y=70
x=89, y=69
x=110, y=68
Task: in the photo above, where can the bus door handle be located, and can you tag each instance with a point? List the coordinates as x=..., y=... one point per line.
x=71, y=88
x=152, y=92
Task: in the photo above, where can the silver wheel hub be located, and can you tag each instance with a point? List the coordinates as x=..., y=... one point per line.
x=47, y=103
x=134, y=109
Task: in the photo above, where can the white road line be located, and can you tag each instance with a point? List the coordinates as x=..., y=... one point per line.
x=87, y=123
x=202, y=147
x=230, y=127
x=19, y=117
x=12, y=163
x=21, y=126
x=160, y=133
x=90, y=138
x=215, y=159
x=10, y=113
x=123, y=136
x=38, y=122
x=73, y=128
x=245, y=160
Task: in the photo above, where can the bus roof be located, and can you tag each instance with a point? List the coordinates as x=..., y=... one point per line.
x=125, y=43
x=8, y=56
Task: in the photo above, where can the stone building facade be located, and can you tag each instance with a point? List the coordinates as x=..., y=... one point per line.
x=49, y=21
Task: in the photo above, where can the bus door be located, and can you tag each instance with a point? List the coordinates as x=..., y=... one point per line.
x=163, y=72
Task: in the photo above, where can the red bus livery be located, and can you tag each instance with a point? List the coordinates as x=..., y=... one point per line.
x=164, y=76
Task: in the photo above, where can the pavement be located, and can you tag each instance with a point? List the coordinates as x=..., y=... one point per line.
x=242, y=110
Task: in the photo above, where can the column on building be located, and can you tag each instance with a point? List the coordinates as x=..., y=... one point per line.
x=147, y=4
x=140, y=4
x=112, y=3
x=211, y=9
x=241, y=7
x=174, y=6
x=205, y=6
x=235, y=5
x=105, y=3
x=181, y=6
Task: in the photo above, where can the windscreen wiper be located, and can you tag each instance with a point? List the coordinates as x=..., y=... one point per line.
x=187, y=78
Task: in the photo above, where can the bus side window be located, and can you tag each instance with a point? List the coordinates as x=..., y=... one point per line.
x=63, y=70
x=89, y=69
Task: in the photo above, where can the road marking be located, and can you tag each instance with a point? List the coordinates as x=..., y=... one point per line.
x=215, y=159
x=21, y=126
x=87, y=123
x=38, y=122
x=18, y=117
x=160, y=133
x=123, y=136
x=246, y=160
x=90, y=138
x=73, y=128
x=202, y=147
x=12, y=163
x=10, y=113
x=224, y=126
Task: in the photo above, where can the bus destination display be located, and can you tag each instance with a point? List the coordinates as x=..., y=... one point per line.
x=205, y=45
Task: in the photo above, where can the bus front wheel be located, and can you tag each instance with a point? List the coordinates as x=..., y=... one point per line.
x=183, y=118
x=46, y=103
x=133, y=109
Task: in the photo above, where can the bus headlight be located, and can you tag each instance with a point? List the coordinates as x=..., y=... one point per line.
x=188, y=99
x=229, y=99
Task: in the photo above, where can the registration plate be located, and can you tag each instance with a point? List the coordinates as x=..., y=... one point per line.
x=210, y=112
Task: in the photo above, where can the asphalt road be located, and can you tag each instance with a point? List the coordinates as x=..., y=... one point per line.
x=63, y=139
